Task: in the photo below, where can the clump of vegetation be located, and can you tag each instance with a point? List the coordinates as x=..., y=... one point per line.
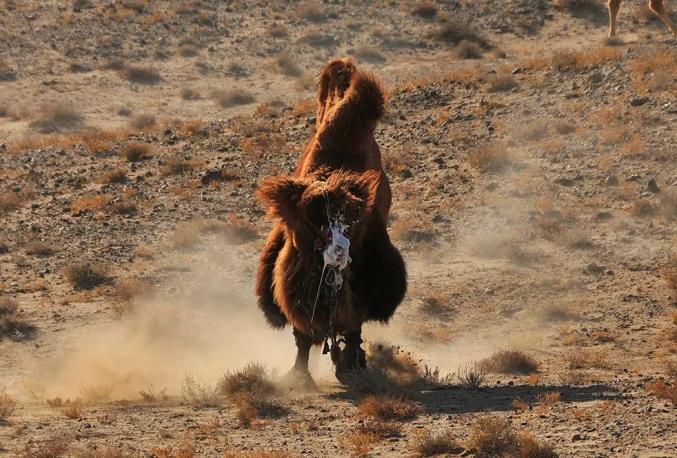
x=7, y=406
x=453, y=32
x=57, y=117
x=51, y=448
x=492, y=436
x=471, y=376
x=310, y=10
x=141, y=75
x=277, y=30
x=114, y=176
x=233, y=97
x=467, y=50
x=662, y=390
x=6, y=72
x=9, y=201
x=369, y=54
x=86, y=276
x=197, y=392
x=286, y=65
x=434, y=443
x=136, y=151
x=176, y=167
x=490, y=158
x=424, y=9
x=510, y=362
x=12, y=324
x=387, y=408
x=189, y=94
x=501, y=83
x=38, y=248
x=142, y=121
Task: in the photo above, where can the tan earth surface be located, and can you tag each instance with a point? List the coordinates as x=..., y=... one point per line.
x=534, y=175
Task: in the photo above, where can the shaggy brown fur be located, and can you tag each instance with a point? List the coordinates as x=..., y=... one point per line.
x=656, y=6
x=341, y=164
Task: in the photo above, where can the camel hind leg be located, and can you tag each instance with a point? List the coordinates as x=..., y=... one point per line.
x=614, y=6
x=659, y=10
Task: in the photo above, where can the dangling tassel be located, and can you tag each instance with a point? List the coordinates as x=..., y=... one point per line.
x=325, y=349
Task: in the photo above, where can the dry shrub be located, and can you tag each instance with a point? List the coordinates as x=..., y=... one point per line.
x=252, y=379
x=490, y=158
x=6, y=72
x=113, y=176
x=547, y=400
x=141, y=75
x=492, y=436
x=38, y=248
x=635, y=146
x=12, y=324
x=277, y=30
x=51, y=448
x=455, y=31
x=124, y=207
x=433, y=443
x=655, y=70
x=304, y=107
x=72, y=409
x=580, y=60
x=188, y=51
x=142, y=121
x=468, y=50
x=266, y=143
x=510, y=362
x=387, y=408
x=197, y=392
x=189, y=94
x=9, y=201
x=424, y=9
x=7, y=406
x=310, y=10
x=359, y=443
x=92, y=203
x=471, y=377
x=256, y=453
x=501, y=83
x=57, y=117
x=86, y=276
x=232, y=97
x=368, y=54
x=150, y=394
x=285, y=64
x=191, y=128
x=176, y=167
x=586, y=359
x=662, y=390
x=642, y=208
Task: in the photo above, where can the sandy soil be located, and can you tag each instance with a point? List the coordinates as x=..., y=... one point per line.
x=535, y=198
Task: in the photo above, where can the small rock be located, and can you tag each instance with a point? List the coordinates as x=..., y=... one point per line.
x=596, y=78
x=633, y=177
x=639, y=101
x=652, y=186
x=603, y=216
x=577, y=437
x=593, y=268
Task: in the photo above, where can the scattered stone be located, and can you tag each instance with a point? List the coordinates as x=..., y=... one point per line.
x=639, y=101
x=596, y=78
x=652, y=186
x=603, y=216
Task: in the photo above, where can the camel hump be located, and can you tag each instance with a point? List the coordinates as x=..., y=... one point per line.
x=342, y=83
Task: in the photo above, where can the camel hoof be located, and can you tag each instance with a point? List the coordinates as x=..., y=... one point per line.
x=298, y=380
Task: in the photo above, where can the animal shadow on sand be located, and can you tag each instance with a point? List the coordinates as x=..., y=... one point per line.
x=457, y=400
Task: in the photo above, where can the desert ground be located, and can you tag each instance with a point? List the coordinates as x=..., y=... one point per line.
x=533, y=164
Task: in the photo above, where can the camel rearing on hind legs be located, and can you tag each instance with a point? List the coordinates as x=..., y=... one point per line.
x=656, y=6
x=328, y=264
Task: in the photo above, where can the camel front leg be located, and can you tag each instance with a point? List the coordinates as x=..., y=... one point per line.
x=303, y=344
x=614, y=6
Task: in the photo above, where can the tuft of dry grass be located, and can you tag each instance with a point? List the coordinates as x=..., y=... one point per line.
x=142, y=121
x=73, y=409
x=57, y=117
x=424, y=9
x=12, y=324
x=7, y=406
x=662, y=390
x=285, y=64
x=277, y=30
x=454, y=31
x=387, y=408
x=252, y=379
x=642, y=208
x=141, y=75
x=189, y=94
x=471, y=376
x=199, y=393
x=490, y=158
x=586, y=359
x=51, y=448
x=150, y=394
x=433, y=443
x=38, y=248
x=86, y=276
x=510, y=362
x=91, y=203
x=113, y=176
x=359, y=443
x=501, y=83
x=232, y=97
x=468, y=50
x=136, y=151
x=256, y=453
x=493, y=436
x=311, y=11
x=304, y=107
x=176, y=167
x=9, y=202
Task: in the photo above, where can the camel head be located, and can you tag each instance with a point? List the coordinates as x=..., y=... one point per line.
x=325, y=212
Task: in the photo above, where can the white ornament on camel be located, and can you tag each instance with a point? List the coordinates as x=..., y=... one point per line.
x=337, y=252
